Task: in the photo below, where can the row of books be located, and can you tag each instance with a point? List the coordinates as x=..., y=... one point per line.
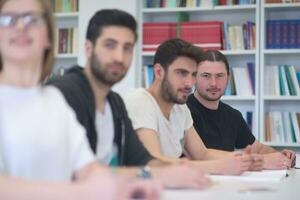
x=66, y=41
x=282, y=127
x=148, y=75
x=62, y=6
x=282, y=80
x=282, y=1
x=193, y=3
x=242, y=81
x=205, y=34
x=238, y=37
x=283, y=34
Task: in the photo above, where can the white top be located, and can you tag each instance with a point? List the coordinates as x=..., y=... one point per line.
x=105, y=131
x=146, y=113
x=40, y=138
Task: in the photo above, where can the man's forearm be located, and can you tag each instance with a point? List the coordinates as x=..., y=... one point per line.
x=17, y=189
x=264, y=149
x=155, y=164
x=213, y=154
x=208, y=166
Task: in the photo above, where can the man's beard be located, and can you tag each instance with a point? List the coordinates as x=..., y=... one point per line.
x=169, y=93
x=207, y=98
x=99, y=72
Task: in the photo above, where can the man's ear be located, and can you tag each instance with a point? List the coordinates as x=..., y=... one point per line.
x=228, y=77
x=158, y=71
x=88, y=49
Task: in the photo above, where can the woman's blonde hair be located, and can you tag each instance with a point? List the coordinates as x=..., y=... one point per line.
x=49, y=52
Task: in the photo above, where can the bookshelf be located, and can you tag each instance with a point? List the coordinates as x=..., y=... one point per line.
x=66, y=14
x=274, y=105
x=231, y=14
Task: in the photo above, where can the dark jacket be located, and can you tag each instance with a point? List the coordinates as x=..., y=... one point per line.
x=76, y=89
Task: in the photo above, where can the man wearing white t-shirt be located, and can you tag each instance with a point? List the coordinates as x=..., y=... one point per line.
x=164, y=123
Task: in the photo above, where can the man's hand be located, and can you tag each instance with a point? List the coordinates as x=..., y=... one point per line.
x=143, y=189
x=236, y=164
x=183, y=174
x=291, y=155
x=276, y=160
x=258, y=160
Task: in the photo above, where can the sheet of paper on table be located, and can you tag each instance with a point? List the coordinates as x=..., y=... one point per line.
x=297, y=160
x=265, y=175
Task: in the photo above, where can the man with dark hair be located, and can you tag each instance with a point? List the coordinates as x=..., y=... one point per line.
x=109, y=46
x=221, y=126
x=163, y=121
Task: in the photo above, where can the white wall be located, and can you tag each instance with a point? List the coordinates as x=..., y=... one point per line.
x=87, y=8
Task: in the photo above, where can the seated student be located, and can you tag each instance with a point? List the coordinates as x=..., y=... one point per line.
x=110, y=39
x=163, y=121
x=44, y=153
x=221, y=126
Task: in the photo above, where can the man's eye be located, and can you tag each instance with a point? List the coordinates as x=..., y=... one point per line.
x=128, y=48
x=109, y=45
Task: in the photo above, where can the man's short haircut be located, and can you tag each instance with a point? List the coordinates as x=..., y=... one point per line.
x=109, y=17
x=214, y=56
x=170, y=50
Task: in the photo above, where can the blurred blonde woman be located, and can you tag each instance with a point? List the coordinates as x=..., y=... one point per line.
x=43, y=150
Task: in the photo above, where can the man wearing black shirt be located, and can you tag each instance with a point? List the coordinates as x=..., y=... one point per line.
x=221, y=126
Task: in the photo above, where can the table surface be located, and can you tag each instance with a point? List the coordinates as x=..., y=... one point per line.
x=287, y=189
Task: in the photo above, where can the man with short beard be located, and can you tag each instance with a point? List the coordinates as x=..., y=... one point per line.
x=164, y=123
x=219, y=125
x=109, y=47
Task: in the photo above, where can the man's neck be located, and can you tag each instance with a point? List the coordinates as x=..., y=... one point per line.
x=100, y=90
x=164, y=106
x=212, y=105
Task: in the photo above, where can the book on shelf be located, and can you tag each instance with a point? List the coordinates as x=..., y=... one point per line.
x=205, y=34
x=242, y=81
x=148, y=75
x=282, y=1
x=287, y=128
x=156, y=33
x=295, y=125
x=298, y=77
x=292, y=80
x=239, y=37
x=230, y=89
x=281, y=80
x=193, y=3
x=283, y=34
x=64, y=6
x=251, y=75
x=282, y=127
x=66, y=41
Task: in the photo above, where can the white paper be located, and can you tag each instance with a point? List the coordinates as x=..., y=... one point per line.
x=297, y=160
x=265, y=175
